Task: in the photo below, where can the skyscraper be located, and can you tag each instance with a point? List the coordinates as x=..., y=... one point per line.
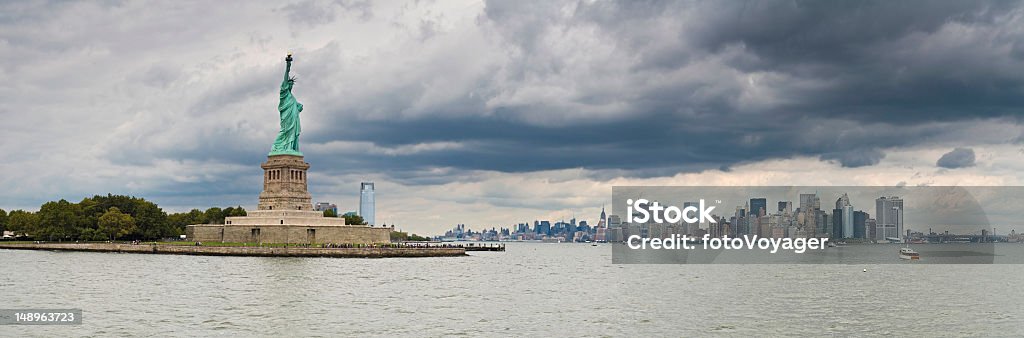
x=809, y=221
x=888, y=217
x=690, y=227
x=366, y=204
x=837, y=223
x=860, y=219
x=809, y=202
x=785, y=207
x=758, y=207
x=845, y=217
x=324, y=206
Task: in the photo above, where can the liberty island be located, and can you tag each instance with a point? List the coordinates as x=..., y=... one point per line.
x=284, y=224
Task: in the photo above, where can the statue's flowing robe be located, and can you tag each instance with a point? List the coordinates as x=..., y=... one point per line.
x=288, y=138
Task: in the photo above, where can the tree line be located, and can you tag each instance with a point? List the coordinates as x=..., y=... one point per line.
x=109, y=217
x=350, y=219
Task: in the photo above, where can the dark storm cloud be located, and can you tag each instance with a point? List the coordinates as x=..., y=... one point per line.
x=846, y=79
x=856, y=158
x=693, y=86
x=651, y=149
x=634, y=88
x=957, y=158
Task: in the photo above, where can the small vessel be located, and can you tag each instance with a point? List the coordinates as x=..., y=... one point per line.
x=908, y=253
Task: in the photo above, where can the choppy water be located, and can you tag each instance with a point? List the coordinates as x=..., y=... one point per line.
x=531, y=290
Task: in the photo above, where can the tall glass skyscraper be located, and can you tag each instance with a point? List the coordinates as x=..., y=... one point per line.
x=845, y=217
x=758, y=207
x=889, y=217
x=366, y=204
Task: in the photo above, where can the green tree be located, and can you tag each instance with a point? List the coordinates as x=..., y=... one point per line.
x=22, y=222
x=97, y=205
x=116, y=224
x=179, y=220
x=3, y=221
x=352, y=219
x=418, y=238
x=214, y=216
x=227, y=212
x=150, y=221
x=238, y=211
x=90, y=234
x=61, y=220
x=398, y=236
x=330, y=213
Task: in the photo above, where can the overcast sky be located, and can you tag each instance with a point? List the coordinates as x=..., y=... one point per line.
x=493, y=113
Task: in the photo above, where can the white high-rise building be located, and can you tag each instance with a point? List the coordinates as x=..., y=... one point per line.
x=843, y=204
x=366, y=205
x=888, y=217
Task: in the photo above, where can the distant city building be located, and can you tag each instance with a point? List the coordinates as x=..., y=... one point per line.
x=600, y=234
x=888, y=217
x=824, y=223
x=860, y=220
x=604, y=219
x=366, y=203
x=843, y=218
x=810, y=219
x=690, y=225
x=324, y=206
x=542, y=228
x=837, y=223
x=809, y=202
x=786, y=207
x=614, y=221
x=758, y=207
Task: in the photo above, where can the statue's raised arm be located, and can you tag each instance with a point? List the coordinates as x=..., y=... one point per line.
x=288, y=66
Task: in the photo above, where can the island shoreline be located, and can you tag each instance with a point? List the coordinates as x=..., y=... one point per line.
x=246, y=251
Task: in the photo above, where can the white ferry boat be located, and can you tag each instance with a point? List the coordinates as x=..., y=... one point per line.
x=908, y=253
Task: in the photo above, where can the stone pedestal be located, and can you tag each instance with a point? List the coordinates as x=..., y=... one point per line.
x=285, y=214
x=284, y=184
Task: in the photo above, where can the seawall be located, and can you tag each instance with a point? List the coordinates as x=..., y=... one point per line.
x=381, y=252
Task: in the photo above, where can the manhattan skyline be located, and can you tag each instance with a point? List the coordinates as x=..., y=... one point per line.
x=493, y=113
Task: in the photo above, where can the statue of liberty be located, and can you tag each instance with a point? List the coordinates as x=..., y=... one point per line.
x=287, y=142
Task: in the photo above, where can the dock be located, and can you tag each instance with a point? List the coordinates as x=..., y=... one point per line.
x=484, y=246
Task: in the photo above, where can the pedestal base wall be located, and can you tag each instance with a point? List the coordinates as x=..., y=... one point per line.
x=271, y=233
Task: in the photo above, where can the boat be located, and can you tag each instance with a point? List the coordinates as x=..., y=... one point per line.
x=908, y=253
